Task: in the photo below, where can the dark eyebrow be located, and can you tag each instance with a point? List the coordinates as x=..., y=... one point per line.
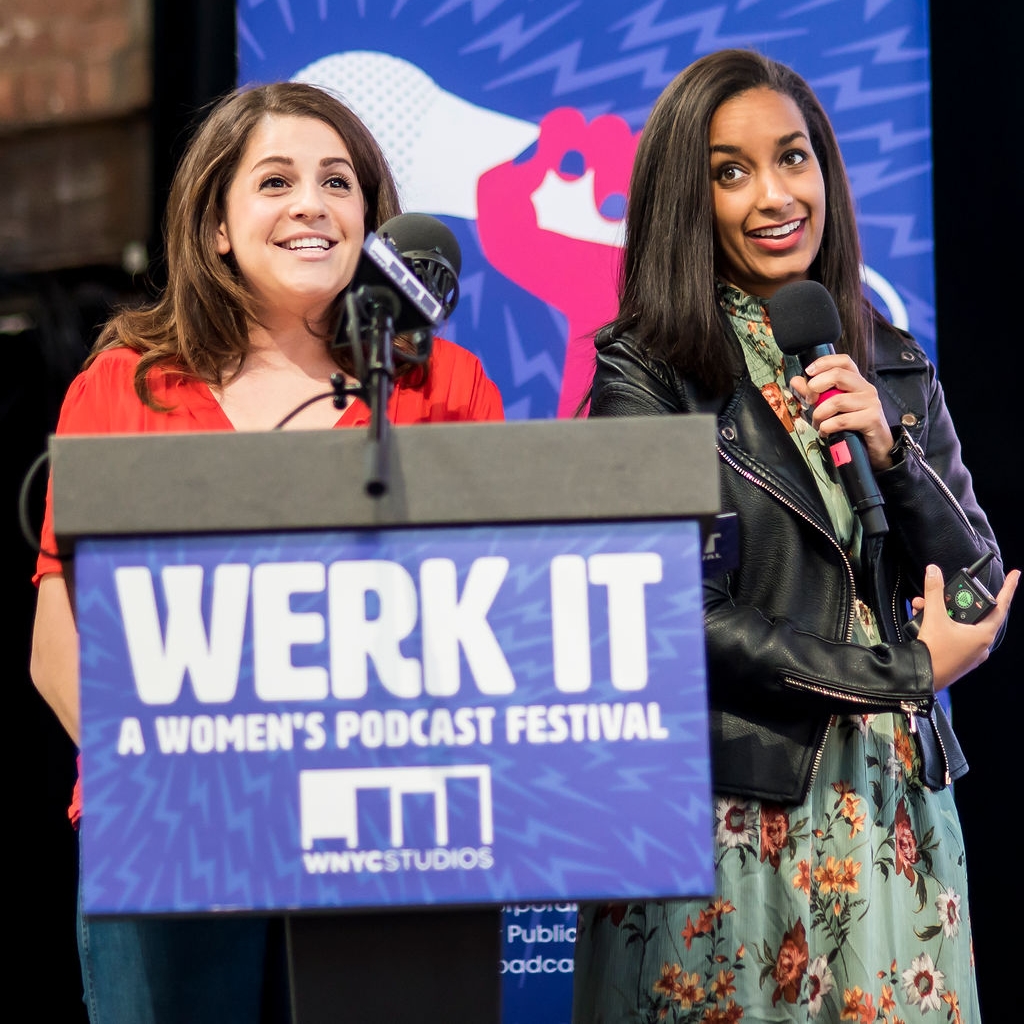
x=327, y=162
x=333, y=160
x=783, y=140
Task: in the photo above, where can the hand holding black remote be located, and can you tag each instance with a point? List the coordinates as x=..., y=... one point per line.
x=967, y=598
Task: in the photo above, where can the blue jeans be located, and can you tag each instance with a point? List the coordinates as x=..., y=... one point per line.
x=175, y=970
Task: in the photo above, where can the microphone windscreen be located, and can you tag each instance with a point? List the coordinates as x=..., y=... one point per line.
x=803, y=314
x=419, y=232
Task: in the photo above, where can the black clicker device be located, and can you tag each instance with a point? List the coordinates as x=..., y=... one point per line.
x=967, y=598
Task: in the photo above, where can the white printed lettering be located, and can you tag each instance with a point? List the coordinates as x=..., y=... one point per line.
x=542, y=723
x=129, y=738
x=625, y=576
x=204, y=734
x=422, y=728
x=451, y=621
x=570, y=624
x=355, y=637
x=277, y=628
x=159, y=663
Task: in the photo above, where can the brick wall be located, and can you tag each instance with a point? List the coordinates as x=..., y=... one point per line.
x=75, y=94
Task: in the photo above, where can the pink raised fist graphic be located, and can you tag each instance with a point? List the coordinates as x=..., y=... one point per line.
x=551, y=221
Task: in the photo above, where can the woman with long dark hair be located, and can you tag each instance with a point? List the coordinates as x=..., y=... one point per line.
x=840, y=883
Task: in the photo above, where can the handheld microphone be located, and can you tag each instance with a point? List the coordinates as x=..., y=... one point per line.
x=805, y=323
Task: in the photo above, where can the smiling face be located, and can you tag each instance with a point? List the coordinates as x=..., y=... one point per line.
x=294, y=216
x=768, y=192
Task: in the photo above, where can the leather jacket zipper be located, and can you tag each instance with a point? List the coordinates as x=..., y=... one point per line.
x=905, y=706
x=779, y=496
x=818, y=755
x=848, y=635
x=912, y=720
x=908, y=706
x=893, y=609
x=918, y=451
x=945, y=759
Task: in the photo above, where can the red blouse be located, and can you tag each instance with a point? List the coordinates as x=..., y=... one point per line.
x=102, y=400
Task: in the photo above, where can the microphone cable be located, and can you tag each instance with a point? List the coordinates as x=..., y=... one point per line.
x=33, y=539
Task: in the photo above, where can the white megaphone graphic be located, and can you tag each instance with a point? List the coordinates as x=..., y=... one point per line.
x=418, y=125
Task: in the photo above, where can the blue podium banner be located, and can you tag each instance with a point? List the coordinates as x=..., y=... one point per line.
x=399, y=717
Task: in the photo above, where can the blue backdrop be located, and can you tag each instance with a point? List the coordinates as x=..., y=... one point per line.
x=457, y=90
x=516, y=121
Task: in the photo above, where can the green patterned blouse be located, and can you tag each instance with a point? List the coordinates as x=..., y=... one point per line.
x=771, y=371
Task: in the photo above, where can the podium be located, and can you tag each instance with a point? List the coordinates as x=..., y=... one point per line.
x=384, y=717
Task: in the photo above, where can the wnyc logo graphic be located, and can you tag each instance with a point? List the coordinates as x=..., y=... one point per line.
x=330, y=808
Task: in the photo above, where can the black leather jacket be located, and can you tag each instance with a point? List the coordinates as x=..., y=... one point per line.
x=777, y=627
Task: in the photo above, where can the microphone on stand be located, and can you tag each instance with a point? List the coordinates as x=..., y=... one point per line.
x=406, y=282
x=805, y=324
x=411, y=266
x=430, y=250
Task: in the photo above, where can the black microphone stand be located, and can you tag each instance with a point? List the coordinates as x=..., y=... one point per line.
x=370, y=313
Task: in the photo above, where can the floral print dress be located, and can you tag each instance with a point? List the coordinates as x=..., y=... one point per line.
x=849, y=907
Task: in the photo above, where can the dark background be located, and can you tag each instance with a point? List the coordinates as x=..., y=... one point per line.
x=978, y=175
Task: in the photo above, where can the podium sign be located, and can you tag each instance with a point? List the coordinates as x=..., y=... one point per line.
x=397, y=717
x=481, y=687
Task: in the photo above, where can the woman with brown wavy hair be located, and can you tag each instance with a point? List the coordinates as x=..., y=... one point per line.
x=268, y=212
